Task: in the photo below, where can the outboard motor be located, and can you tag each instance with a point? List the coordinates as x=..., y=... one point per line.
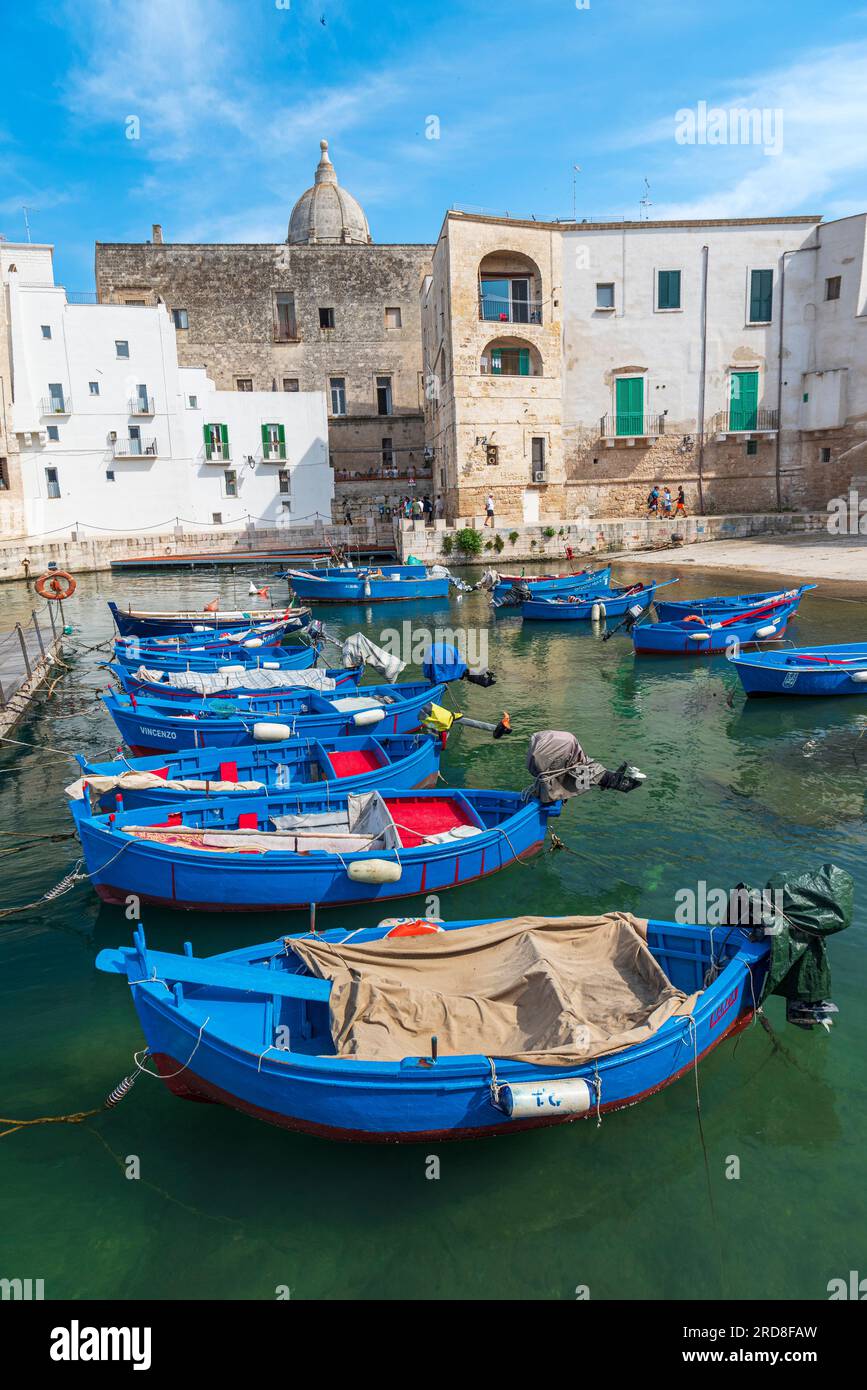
x=484, y=678
x=518, y=593
x=561, y=769
x=443, y=662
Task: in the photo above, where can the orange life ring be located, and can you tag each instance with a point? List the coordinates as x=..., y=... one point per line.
x=414, y=926
x=694, y=618
x=55, y=584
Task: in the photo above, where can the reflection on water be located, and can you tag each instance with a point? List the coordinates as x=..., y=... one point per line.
x=230, y=1208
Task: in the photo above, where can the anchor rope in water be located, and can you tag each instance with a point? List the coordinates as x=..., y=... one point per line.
x=65, y=885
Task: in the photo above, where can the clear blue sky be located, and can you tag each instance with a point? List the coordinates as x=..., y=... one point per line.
x=232, y=97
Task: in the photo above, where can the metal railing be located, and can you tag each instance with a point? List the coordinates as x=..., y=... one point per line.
x=55, y=405
x=141, y=405
x=494, y=309
x=134, y=448
x=22, y=651
x=628, y=424
x=274, y=453
x=218, y=453
x=372, y=475
x=737, y=420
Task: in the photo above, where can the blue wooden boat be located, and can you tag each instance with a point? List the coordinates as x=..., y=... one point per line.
x=163, y=726
x=242, y=684
x=255, y=636
x=167, y=623
x=672, y=610
x=598, y=604
x=380, y=584
x=299, y=765
x=251, y=1029
x=697, y=636
x=817, y=671
x=131, y=653
x=544, y=585
x=280, y=852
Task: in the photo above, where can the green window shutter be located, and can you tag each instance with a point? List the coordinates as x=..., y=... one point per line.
x=224, y=439
x=206, y=431
x=265, y=450
x=743, y=408
x=281, y=433
x=668, y=294
x=496, y=362
x=629, y=405
x=662, y=292
x=523, y=361
x=761, y=296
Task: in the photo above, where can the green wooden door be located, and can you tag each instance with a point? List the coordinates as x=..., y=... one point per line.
x=629, y=401
x=744, y=403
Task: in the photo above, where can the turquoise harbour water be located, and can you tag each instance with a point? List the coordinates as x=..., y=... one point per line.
x=229, y=1208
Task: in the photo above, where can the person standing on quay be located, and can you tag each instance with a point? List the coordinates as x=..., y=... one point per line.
x=680, y=509
x=489, y=510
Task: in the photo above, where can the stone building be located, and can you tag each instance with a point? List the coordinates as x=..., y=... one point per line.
x=326, y=310
x=572, y=366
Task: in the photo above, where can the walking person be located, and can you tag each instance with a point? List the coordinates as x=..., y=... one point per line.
x=440, y=508
x=489, y=510
x=653, y=501
x=680, y=508
x=666, y=501
x=427, y=508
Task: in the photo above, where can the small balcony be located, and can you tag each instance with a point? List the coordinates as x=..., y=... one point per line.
x=274, y=452
x=745, y=424
x=55, y=405
x=494, y=309
x=134, y=448
x=141, y=405
x=218, y=453
x=629, y=426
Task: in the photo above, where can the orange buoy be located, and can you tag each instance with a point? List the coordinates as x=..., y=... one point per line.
x=212, y=607
x=56, y=584
x=414, y=926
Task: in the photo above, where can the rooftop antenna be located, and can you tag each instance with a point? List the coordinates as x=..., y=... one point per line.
x=26, y=210
x=576, y=169
x=645, y=203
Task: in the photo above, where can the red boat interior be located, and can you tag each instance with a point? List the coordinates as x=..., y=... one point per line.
x=354, y=761
x=428, y=816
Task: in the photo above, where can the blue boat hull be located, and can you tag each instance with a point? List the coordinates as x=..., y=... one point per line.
x=406, y=760
x=155, y=726
x=271, y=658
x=245, y=696
x=196, y=880
x=615, y=603
x=673, y=610
x=684, y=639
x=542, y=586
x=405, y=1101
x=399, y=583
x=786, y=673
x=170, y=624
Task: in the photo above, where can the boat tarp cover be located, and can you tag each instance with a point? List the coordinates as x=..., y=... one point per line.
x=560, y=766
x=815, y=905
x=236, y=678
x=536, y=989
x=358, y=650
x=99, y=783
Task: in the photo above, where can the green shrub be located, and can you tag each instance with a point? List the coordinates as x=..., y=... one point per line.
x=549, y=532
x=448, y=544
x=469, y=541
x=513, y=536
x=499, y=544
x=489, y=545
x=532, y=545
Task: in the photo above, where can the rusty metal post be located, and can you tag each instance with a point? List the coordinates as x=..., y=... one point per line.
x=24, y=651
x=38, y=633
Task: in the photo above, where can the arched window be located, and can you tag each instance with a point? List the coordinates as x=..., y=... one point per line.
x=510, y=288
x=510, y=357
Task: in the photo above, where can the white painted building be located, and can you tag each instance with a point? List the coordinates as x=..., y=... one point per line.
x=114, y=436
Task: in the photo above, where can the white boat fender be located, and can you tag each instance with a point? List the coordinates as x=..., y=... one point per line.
x=699, y=637
x=270, y=665
x=597, y=612
x=271, y=733
x=767, y=631
x=254, y=642
x=533, y=1099
x=365, y=717
x=366, y=589
x=859, y=676
x=374, y=871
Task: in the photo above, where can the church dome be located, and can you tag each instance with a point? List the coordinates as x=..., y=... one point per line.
x=326, y=215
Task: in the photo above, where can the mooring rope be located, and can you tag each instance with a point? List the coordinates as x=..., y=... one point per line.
x=65, y=885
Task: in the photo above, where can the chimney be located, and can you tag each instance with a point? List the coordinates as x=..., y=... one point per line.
x=157, y=234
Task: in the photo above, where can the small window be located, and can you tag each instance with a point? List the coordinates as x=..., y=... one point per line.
x=52, y=483
x=605, y=296
x=192, y=402
x=326, y=318
x=53, y=433
x=761, y=296
x=824, y=455
x=230, y=481
x=832, y=286
x=290, y=383
x=46, y=330
x=93, y=387
x=121, y=347
x=752, y=446
x=180, y=318
x=285, y=325
x=388, y=453
x=492, y=455
x=244, y=383
x=538, y=458
x=338, y=395
x=4, y=476
x=283, y=479
x=392, y=318
x=668, y=289
x=217, y=518
x=383, y=395
x=109, y=475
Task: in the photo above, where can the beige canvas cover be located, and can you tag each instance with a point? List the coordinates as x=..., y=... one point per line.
x=98, y=784
x=547, y=990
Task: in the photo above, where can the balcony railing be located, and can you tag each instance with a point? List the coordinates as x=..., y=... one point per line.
x=737, y=420
x=493, y=309
x=141, y=405
x=55, y=405
x=134, y=448
x=389, y=475
x=274, y=453
x=218, y=453
x=630, y=425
